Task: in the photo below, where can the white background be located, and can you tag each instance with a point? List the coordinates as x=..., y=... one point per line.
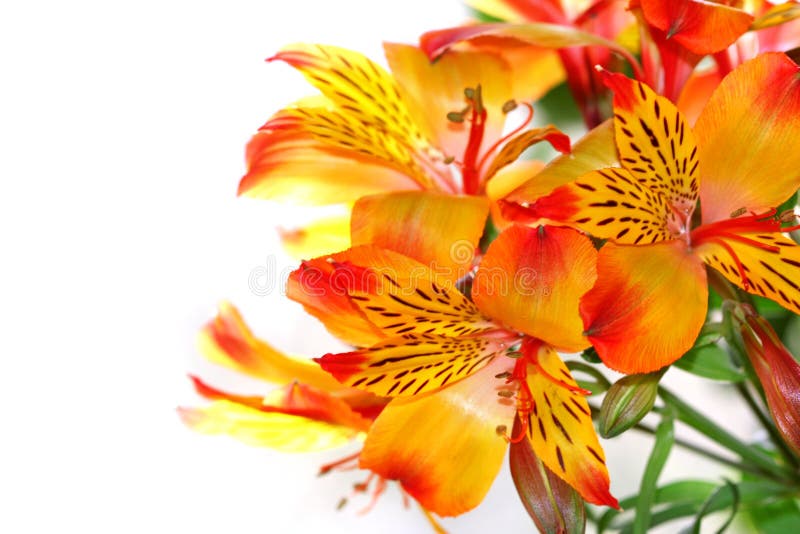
x=122, y=130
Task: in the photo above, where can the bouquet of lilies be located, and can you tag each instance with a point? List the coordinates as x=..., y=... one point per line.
x=489, y=271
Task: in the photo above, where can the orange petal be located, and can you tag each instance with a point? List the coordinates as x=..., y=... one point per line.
x=322, y=236
x=227, y=341
x=515, y=146
x=702, y=27
x=324, y=295
x=399, y=304
x=561, y=431
x=440, y=231
x=504, y=182
x=365, y=94
x=770, y=264
x=412, y=364
x=293, y=167
x=655, y=144
x=301, y=399
x=595, y=150
x=444, y=448
x=608, y=204
x=531, y=279
x=744, y=133
x=280, y=431
x=433, y=89
x=647, y=306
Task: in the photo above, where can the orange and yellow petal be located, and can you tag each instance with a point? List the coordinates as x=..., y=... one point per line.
x=531, y=279
x=745, y=133
x=274, y=430
x=702, y=27
x=595, y=150
x=293, y=167
x=301, y=399
x=434, y=89
x=655, y=144
x=412, y=364
x=444, y=448
x=440, y=231
x=514, y=147
x=325, y=235
x=226, y=340
x=504, y=182
x=647, y=306
x=561, y=431
x=770, y=264
x=324, y=293
x=608, y=204
x=405, y=303
x=357, y=85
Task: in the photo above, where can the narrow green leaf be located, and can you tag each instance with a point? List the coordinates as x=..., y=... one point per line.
x=665, y=437
x=729, y=487
x=600, y=383
x=710, y=361
x=776, y=517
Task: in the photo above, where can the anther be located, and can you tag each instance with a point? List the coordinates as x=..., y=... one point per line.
x=509, y=106
x=505, y=393
x=504, y=374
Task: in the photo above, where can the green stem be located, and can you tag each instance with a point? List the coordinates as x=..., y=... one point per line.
x=706, y=426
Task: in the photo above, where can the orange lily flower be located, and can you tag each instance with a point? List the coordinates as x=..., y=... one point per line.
x=650, y=299
x=565, y=25
x=434, y=127
x=779, y=374
x=460, y=370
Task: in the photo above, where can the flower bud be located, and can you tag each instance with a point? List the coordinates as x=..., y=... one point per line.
x=627, y=402
x=779, y=374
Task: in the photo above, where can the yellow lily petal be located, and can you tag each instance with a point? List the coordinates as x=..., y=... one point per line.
x=293, y=167
x=504, y=182
x=227, y=341
x=775, y=15
x=280, y=431
x=444, y=448
x=434, y=89
x=647, y=306
x=770, y=264
x=514, y=148
x=531, y=279
x=440, y=231
x=595, y=150
x=324, y=294
x=561, y=431
x=744, y=134
x=322, y=236
x=655, y=144
x=608, y=204
x=412, y=364
x=403, y=303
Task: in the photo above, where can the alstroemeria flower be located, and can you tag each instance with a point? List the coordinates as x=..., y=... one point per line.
x=779, y=374
x=310, y=412
x=459, y=369
x=677, y=34
x=650, y=299
x=582, y=32
x=435, y=127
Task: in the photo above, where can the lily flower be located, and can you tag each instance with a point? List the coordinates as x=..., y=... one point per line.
x=433, y=127
x=650, y=299
x=579, y=33
x=779, y=374
x=461, y=370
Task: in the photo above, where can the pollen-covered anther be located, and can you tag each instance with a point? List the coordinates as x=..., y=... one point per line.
x=509, y=106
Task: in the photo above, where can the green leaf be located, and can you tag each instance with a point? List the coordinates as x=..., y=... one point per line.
x=776, y=517
x=600, y=383
x=710, y=361
x=716, y=496
x=627, y=402
x=664, y=438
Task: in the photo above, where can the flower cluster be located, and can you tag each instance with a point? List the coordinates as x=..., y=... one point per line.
x=461, y=271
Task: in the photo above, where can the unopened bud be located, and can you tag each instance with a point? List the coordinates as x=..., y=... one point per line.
x=627, y=401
